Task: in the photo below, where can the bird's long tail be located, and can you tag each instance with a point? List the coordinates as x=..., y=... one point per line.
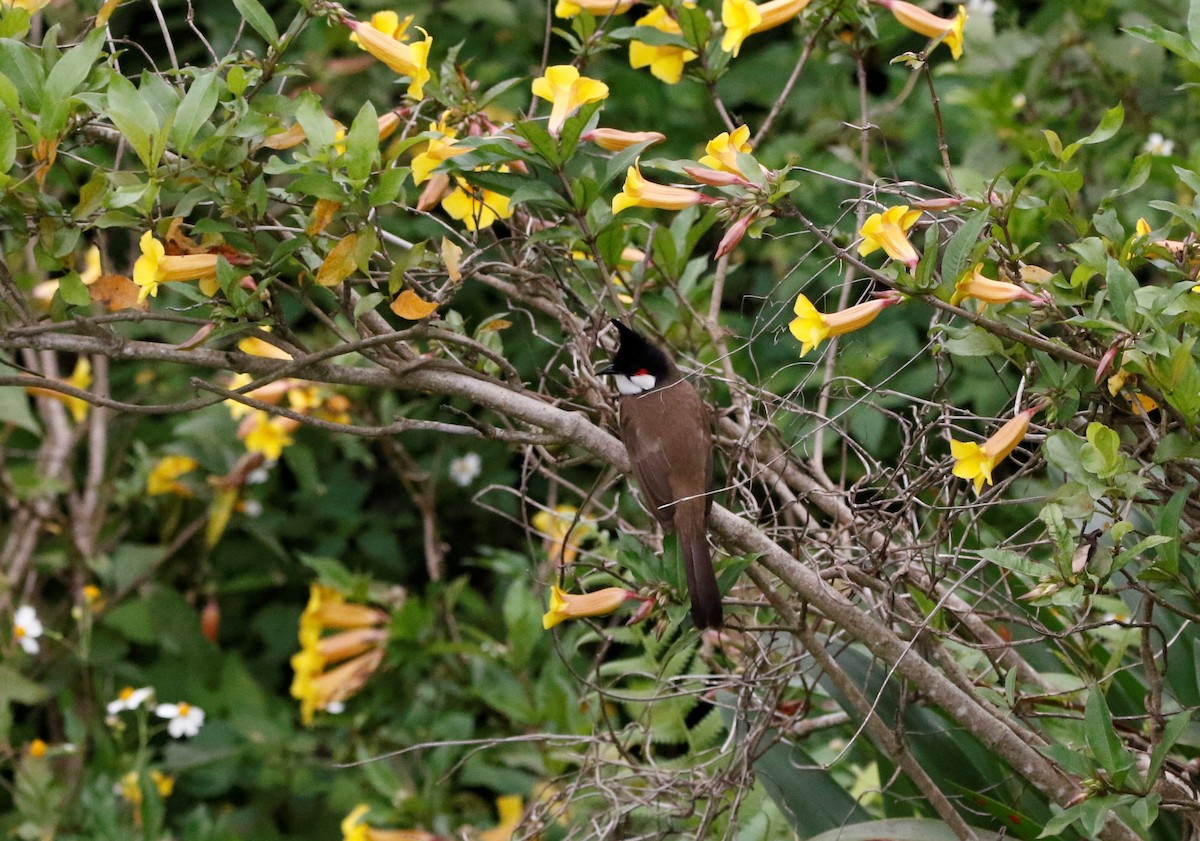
x=692, y=529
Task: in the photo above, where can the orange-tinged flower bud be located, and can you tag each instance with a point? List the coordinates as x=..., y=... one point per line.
x=933, y=205
x=564, y=605
x=614, y=140
x=930, y=25
x=889, y=231
x=340, y=682
x=734, y=235
x=388, y=123
x=638, y=192
x=974, y=284
x=436, y=189
x=286, y=139
x=345, y=644
x=976, y=462
x=348, y=615
x=716, y=178
x=210, y=620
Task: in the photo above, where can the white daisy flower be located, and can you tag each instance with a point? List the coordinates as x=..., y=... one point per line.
x=27, y=628
x=185, y=719
x=129, y=699
x=465, y=469
x=1158, y=145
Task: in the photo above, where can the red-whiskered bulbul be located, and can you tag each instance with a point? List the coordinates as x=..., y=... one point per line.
x=667, y=430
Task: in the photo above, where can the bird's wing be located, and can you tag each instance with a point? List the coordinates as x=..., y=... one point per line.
x=666, y=465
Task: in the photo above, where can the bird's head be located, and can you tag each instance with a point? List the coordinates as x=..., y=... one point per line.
x=638, y=366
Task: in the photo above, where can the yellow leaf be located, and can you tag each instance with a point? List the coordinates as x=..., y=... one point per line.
x=322, y=215
x=452, y=257
x=219, y=513
x=340, y=263
x=105, y=12
x=495, y=324
x=410, y=305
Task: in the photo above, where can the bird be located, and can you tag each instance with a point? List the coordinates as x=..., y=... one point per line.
x=666, y=428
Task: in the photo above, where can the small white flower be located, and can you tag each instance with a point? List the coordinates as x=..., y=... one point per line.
x=185, y=719
x=1019, y=101
x=1158, y=145
x=465, y=469
x=257, y=477
x=252, y=508
x=335, y=707
x=27, y=628
x=129, y=699
x=977, y=9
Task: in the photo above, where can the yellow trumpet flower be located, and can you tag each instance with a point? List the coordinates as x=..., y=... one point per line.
x=930, y=25
x=810, y=327
x=564, y=605
x=976, y=462
x=638, y=192
x=889, y=231
x=383, y=38
x=568, y=91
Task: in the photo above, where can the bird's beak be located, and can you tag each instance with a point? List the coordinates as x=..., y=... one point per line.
x=607, y=369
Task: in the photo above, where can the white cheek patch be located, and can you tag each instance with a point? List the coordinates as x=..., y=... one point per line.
x=644, y=381
x=635, y=384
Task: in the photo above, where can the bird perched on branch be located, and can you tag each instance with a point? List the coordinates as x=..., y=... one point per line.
x=667, y=430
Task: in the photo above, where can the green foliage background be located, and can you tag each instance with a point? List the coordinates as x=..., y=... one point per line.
x=840, y=458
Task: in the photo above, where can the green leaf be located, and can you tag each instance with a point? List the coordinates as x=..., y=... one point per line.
x=133, y=117
x=368, y=302
x=255, y=15
x=1113, y=118
x=16, y=687
x=197, y=106
x=64, y=78
x=1008, y=559
x=388, y=186
x=73, y=292
x=540, y=140
x=8, y=145
x=970, y=340
x=1122, y=292
x=1168, y=40
x=1171, y=734
x=318, y=128
x=648, y=35
x=362, y=144
x=1138, y=173
x=958, y=249
x=1102, y=740
x=1101, y=454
